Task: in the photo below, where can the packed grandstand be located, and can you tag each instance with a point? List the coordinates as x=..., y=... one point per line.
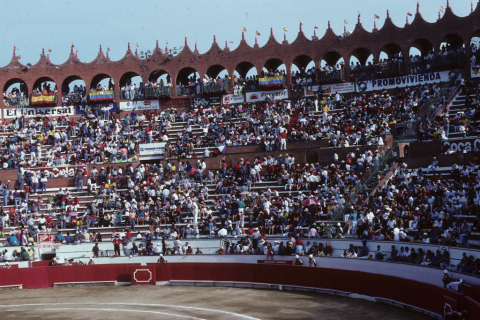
x=369, y=160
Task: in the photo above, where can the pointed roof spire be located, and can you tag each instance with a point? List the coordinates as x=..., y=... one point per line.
x=226, y=44
x=301, y=26
x=100, y=48
x=374, y=25
x=196, y=45
x=76, y=55
x=214, y=39
x=157, y=44
x=471, y=6
x=271, y=32
x=345, y=29
x=448, y=4
x=186, y=44
x=329, y=24
x=43, y=51
x=439, y=17
x=418, y=7
x=166, y=50
x=129, y=46
x=407, y=21
x=14, y=48
x=314, y=32
x=48, y=57
x=284, y=37
x=388, y=14
x=136, y=52
x=358, y=16
x=256, y=40
x=71, y=49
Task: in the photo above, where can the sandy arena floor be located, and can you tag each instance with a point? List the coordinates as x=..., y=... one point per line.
x=165, y=302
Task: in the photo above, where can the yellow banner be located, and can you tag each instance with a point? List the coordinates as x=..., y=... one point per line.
x=37, y=99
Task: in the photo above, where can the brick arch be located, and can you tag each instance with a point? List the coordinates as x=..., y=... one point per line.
x=155, y=74
x=38, y=82
x=422, y=44
x=72, y=78
x=129, y=74
x=273, y=63
x=12, y=81
x=96, y=79
x=331, y=58
x=361, y=53
x=452, y=38
x=244, y=67
x=214, y=70
x=302, y=61
x=184, y=73
x=389, y=48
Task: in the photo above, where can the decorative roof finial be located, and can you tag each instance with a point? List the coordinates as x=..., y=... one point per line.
x=100, y=48
x=214, y=39
x=71, y=49
x=196, y=45
x=166, y=50
x=407, y=20
x=448, y=4
x=471, y=6
x=301, y=26
x=358, y=16
x=256, y=40
x=374, y=25
x=243, y=35
x=271, y=32
x=43, y=51
x=388, y=14
x=157, y=44
x=136, y=52
x=48, y=57
x=14, y=48
x=314, y=33
x=186, y=44
x=439, y=17
x=129, y=46
x=226, y=44
x=284, y=37
x=345, y=29
x=418, y=7
x=328, y=24
x=76, y=55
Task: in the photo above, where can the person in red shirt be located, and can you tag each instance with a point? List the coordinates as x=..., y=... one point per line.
x=283, y=140
x=116, y=246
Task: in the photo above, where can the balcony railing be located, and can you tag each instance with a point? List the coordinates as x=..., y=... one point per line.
x=44, y=98
x=158, y=92
x=330, y=76
x=13, y=102
x=377, y=71
x=201, y=88
x=272, y=82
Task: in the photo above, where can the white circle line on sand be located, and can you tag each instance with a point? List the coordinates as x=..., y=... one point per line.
x=102, y=309
x=134, y=304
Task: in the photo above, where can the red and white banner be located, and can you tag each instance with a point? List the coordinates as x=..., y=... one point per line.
x=45, y=237
x=143, y=275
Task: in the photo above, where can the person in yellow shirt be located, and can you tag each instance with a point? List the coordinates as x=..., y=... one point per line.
x=325, y=110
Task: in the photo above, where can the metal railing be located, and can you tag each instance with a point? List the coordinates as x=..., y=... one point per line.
x=14, y=102
x=201, y=88
x=158, y=92
x=327, y=76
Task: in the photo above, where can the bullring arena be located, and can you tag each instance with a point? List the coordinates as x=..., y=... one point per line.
x=328, y=175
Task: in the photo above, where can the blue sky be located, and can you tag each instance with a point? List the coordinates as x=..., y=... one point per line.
x=33, y=25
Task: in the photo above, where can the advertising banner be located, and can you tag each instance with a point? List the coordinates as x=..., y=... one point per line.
x=344, y=87
x=262, y=95
x=215, y=101
x=139, y=105
x=60, y=171
x=150, y=149
x=43, y=98
x=475, y=71
x=176, y=103
x=462, y=144
x=206, y=101
x=112, y=107
x=408, y=81
x=38, y=112
x=233, y=99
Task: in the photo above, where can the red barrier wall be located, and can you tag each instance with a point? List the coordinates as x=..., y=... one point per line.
x=415, y=293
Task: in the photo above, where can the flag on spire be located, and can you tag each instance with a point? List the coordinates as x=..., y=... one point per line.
x=315, y=27
x=301, y=23
x=108, y=48
x=376, y=17
x=244, y=29
x=442, y=9
x=346, y=22
x=257, y=33
x=409, y=14
x=285, y=29
x=18, y=57
x=49, y=50
x=167, y=41
x=76, y=50
x=137, y=44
